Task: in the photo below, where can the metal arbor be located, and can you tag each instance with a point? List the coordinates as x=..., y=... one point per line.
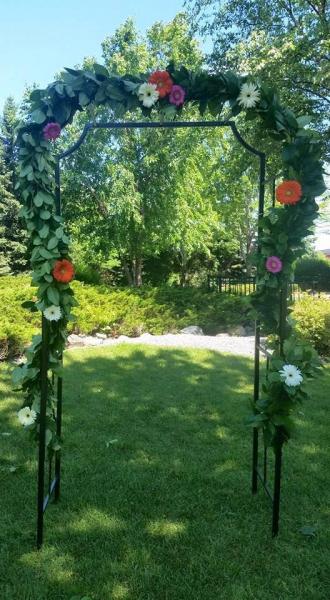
x=53, y=475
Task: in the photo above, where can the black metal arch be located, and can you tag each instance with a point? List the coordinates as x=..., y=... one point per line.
x=53, y=484
x=158, y=125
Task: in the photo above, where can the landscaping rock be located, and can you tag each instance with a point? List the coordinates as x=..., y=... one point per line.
x=83, y=340
x=237, y=330
x=192, y=330
x=101, y=336
x=90, y=340
x=223, y=342
x=76, y=340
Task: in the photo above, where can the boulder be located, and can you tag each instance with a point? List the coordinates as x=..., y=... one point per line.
x=238, y=330
x=83, y=340
x=101, y=336
x=192, y=330
x=75, y=340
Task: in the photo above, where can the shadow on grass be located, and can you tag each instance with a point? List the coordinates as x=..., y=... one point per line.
x=156, y=499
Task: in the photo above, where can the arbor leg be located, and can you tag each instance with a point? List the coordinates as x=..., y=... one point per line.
x=42, y=430
x=256, y=398
x=58, y=432
x=277, y=488
x=255, y=461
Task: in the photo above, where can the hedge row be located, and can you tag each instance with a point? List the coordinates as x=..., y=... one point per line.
x=314, y=268
x=154, y=310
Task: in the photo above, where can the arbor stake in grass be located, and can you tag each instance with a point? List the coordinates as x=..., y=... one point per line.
x=281, y=234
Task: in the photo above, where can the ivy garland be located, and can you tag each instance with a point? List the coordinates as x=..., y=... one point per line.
x=282, y=230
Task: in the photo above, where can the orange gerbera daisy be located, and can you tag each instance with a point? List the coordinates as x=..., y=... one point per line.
x=63, y=271
x=163, y=82
x=289, y=192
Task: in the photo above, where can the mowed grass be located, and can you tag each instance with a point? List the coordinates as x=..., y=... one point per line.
x=156, y=501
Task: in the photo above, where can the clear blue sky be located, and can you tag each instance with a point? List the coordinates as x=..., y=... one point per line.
x=40, y=37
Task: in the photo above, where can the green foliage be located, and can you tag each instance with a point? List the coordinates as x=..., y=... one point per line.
x=151, y=198
x=118, y=311
x=155, y=310
x=274, y=410
x=16, y=324
x=312, y=318
x=276, y=41
x=86, y=269
x=187, y=207
x=282, y=230
x=129, y=52
x=314, y=268
x=8, y=123
x=13, y=236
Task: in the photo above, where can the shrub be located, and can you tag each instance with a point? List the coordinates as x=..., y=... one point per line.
x=128, y=311
x=156, y=310
x=16, y=324
x=119, y=311
x=312, y=317
x=314, y=268
x=87, y=273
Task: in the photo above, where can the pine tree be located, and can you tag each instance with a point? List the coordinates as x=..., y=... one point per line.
x=13, y=237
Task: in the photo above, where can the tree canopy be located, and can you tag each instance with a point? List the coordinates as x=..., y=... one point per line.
x=139, y=196
x=286, y=43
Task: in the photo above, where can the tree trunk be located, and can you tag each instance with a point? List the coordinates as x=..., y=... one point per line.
x=137, y=267
x=184, y=262
x=127, y=272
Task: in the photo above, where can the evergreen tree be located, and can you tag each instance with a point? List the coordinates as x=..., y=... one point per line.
x=13, y=237
x=8, y=123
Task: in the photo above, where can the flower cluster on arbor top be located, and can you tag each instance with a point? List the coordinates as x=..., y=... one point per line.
x=282, y=229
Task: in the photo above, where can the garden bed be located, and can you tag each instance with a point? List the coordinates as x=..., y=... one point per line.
x=161, y=310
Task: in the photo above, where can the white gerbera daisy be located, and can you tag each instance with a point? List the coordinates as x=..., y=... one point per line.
x=249, y=95
x=26, y=416
x=52, y=313
x=148, y=94
x=291, y=375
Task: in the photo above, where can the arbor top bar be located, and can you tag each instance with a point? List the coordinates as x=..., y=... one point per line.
x=159, y=125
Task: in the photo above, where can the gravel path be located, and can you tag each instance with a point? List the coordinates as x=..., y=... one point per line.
x=243, y=346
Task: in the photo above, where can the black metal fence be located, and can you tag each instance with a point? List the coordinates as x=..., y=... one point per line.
x=246, y=285
x=240, y=286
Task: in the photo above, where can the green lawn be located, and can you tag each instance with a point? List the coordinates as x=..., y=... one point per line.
x=156, y=501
